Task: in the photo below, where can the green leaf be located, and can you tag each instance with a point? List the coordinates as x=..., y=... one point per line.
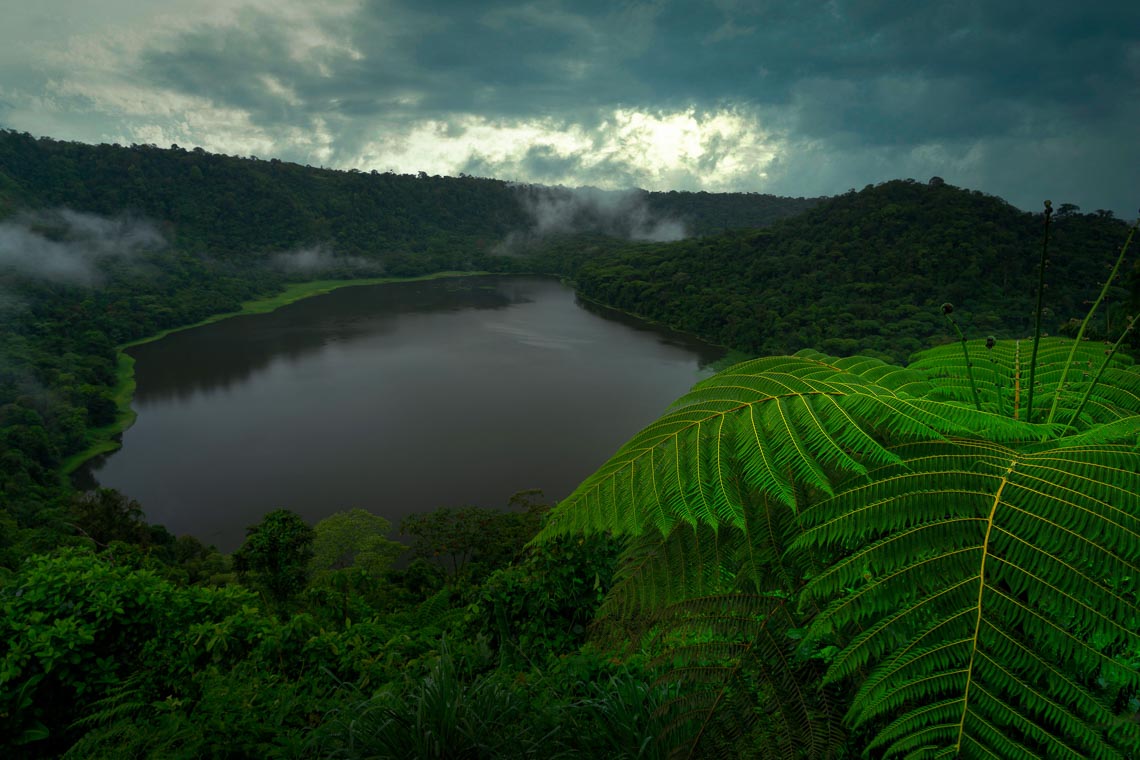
x=999, y=581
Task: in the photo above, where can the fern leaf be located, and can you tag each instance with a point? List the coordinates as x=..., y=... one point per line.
x=743, y=685
x=997, y=375
x=994, y=583
x=769, y=425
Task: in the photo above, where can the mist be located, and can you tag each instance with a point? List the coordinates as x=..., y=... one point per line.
x=560, y=211
x=320, y=259
x=66, y=246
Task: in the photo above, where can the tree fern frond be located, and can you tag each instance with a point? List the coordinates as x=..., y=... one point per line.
x=437, y=611
x=1000, y=581
x=712, y=605
x=975, y=576
x=770, y=425
x=656, y=571
x=1000, y=373
x=902, y=380
x=1125, y=430
x=126, y=723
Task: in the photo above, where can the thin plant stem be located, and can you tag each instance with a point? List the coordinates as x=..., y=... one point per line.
x=1037, y=313
x=1016, y=379
x=990, y=342
x=1088, y=318
x=947, y=309
x=1103, y=366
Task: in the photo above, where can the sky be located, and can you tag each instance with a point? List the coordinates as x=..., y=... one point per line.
x=1024, y=100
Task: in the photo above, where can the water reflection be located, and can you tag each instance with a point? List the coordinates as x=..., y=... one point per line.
x=394, y=398
x=219, y=356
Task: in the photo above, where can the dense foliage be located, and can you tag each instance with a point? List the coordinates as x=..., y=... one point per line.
x=725, y=601
x=864, y=272
x=242, y=207
x=887, y=560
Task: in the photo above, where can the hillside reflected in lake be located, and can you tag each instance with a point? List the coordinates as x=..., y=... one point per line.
x=394, y=398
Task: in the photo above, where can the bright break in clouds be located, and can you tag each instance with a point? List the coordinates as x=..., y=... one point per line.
x=1026, y=100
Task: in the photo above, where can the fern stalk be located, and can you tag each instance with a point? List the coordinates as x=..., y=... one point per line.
x=948, y=309
x=1037, y=312
x=1016, y=379
x=998, y=387
x=1100, y=371
x=1085, y=323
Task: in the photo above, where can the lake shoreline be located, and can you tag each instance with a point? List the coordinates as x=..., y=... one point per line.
x=364, y=398
x=108, y=438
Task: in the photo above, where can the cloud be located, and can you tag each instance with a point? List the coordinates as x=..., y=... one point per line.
x=559, y=210
x=626, y=148
x=800, y=98
x=66, y=246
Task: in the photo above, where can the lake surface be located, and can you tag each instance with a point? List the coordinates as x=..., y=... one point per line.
x=397, y=398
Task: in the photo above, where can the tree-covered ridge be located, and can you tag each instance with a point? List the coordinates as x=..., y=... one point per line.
x=883, y=567
x=866, y=271
x=244, y=206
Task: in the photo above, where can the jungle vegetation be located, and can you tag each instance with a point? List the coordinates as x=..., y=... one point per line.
x=883, y=540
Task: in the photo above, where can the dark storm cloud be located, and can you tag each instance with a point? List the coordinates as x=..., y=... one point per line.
x=887, y=71
x=230, y=66
x=511, y=57
x=853, y=91
x=415, y=60
x=903, y=70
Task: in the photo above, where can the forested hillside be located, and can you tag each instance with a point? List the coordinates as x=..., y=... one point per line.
x=866, y=271
x=243, y=207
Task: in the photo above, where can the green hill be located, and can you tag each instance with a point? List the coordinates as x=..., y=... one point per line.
x=243, y=207
x=865, y=271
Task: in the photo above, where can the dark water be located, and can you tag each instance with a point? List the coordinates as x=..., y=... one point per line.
x=393, y=398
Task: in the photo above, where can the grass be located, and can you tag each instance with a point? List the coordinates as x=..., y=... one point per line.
x=105, y=439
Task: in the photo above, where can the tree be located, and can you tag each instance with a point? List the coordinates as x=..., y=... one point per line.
x=472, y=541
x=105, y=515
x=275, y=556
x=353, y=539
x=856, y=557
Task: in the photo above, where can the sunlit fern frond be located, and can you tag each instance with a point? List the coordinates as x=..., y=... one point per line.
x=1001, y=375
x=902, y=380
x=987, y=597
x=771, y=426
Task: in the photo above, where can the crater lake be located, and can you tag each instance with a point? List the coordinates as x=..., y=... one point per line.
x=397, y=398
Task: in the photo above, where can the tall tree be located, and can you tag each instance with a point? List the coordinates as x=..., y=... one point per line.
x=275, y=556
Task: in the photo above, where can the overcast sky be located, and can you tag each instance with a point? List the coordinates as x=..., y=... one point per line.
x=1026, y=100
